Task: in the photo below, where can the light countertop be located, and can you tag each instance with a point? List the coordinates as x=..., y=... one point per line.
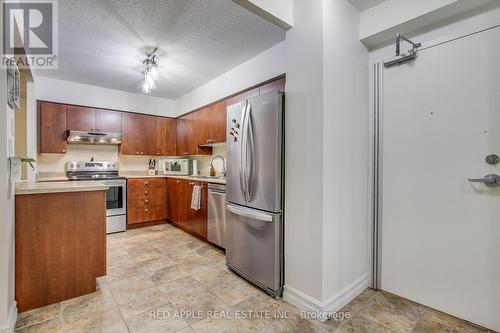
x=214, y=180
x=58, y=187
x=132, y=175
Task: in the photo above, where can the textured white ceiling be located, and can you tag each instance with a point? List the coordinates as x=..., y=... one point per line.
x=101, y=42
x=365, y=4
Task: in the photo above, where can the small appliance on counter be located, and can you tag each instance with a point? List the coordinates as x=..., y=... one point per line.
x=152, y=167
x=116, y=196
x=177, y=166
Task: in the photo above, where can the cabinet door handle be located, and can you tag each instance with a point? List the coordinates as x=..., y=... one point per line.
x=146, y=201
x=63, y=151
x=158, y=154
x=146, y=192
x=146, y=210
x=178, y=181
x=146, y=184
x=137, y=153
x=142, y=153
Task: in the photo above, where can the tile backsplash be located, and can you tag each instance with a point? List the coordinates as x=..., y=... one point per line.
x=56, y=163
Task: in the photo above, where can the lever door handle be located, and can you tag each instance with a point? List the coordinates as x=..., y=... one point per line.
x=492, y=180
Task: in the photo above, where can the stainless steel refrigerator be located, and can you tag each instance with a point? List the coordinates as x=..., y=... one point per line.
x=254, y=190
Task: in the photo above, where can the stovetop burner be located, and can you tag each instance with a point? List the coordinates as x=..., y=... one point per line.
x=92, y=170
x=94, y=177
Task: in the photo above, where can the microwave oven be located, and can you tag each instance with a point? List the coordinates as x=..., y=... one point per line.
x=177, y=166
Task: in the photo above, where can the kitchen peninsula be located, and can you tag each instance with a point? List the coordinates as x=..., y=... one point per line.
x=60, y=241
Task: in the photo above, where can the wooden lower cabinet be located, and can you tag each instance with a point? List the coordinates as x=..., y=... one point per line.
x=180, y=212
x=60, y=241
x=146, y=200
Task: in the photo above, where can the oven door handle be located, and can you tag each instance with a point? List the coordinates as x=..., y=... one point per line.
x=115, y=183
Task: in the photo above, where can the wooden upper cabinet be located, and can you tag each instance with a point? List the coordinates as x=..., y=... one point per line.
x=87, y=119
x=132, y=136
x=181, y=146
x=273, y=85
x=148, y=132
x=218, y=122
x=108, y=121
x=80, y=118
x=51, y=128
x=197, y=129
x=166, y=136
x=138, y=134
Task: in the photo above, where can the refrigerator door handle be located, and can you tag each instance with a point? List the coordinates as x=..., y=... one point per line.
x=249, y=161
x=243, y=152
x=251, y=214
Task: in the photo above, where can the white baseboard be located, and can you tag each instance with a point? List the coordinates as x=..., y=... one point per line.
x=11, y=321
x=301, y=300
x=330, y=306
x=343, y=297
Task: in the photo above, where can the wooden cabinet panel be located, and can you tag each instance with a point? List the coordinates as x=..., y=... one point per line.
x=60, y=241
x=197, y=219
x=202, y=124
x=177, y=197
x=217, y=123
x=166, y=136
x=80, y=118
x=148, y=131
x=273, y=85
x=192, y=136
x=138, y=134
x=181, y=147
x=243, y=96
x=146, y=200
x=197, y=129
x=108, y=121
x=179, y=205
x=131, y=134
x=51, y=128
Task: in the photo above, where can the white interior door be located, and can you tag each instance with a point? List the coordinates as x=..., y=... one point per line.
x=440, y=233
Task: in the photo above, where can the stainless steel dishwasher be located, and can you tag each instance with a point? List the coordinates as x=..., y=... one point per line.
x=217, y=214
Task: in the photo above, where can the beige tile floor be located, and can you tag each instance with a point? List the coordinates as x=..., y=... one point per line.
x=161, y=279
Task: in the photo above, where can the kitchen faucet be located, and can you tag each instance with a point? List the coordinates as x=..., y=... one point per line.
x=223, y=163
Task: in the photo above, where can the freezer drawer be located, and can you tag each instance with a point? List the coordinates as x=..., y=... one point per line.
x=254, y=246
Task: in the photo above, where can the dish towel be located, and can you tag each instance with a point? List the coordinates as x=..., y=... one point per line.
x=196, y=197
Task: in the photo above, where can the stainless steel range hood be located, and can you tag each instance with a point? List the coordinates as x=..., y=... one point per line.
x=94, y=138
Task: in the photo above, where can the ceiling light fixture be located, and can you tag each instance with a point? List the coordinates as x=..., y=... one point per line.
x=150, y=72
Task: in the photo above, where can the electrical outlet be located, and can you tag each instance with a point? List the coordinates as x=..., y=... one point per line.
x=15, y=169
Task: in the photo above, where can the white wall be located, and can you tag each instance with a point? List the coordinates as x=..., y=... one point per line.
x=282, y=9
x=278, y=12
x=304, y=153
x=326, y=223
x=55, y=164
x=84, y=94
x=8, y=309
x=475, y=21
x=262, y=67
x=345, y=157
x=381, y=23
